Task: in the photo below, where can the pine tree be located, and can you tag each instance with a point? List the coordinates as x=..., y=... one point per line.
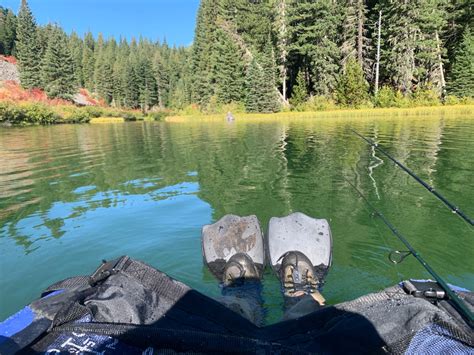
x=355, y=42
x=88, y=61
x=352, y=88
x=8, y=25
x=300, y=90
x=269, y=98
x=146, y=84
x=204, y=57
x=460, y=15
x=431, y=20
x=58, y=67
x=160, y=66
x=313, y=28
x=103, y=72
x=229, y=72
x=76, y=48
x=119, y=71
x=253, y=81
x=462, y=75
x=27, y=48
x=131, y=89
x=43, y=34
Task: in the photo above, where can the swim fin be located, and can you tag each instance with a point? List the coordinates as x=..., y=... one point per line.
x=233, y=248
x=300, y=240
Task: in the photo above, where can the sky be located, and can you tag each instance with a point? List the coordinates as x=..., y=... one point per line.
x=173, y=20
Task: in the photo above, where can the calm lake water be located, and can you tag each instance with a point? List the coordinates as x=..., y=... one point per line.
x=72, y=195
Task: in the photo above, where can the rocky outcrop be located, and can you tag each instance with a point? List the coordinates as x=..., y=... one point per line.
x=8, y=71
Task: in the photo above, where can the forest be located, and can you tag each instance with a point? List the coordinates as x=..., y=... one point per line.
x=262, y=56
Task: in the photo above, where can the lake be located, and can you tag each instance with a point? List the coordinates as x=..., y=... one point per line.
x=72, y=195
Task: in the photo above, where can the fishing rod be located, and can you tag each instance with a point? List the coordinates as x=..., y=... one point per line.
x=458, y=303
x=431, y=189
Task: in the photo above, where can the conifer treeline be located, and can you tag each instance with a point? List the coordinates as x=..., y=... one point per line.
x=261, y=53
x=136, y=74
x=328, y=48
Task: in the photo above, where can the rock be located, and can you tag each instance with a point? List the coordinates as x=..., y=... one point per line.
x=81, y=100
x=8, y=72
x=230, y=117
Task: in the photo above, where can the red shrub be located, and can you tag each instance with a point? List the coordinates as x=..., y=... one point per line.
x=9, y=59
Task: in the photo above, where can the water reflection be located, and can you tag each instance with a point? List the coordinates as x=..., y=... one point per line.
x=72, y=195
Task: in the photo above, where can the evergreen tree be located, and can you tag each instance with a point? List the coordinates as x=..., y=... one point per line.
x=103, y=72
x=42, y=36
x=355, y=42
x=7, y=31
x=253, y=81
x=300, y=90
x=313, y=27
x=88, y=61
x=58, y=67
x=27, y=48
x=462, y=74
x=204, y=56
x=105, y=80
x=131, y=89
x=431, y=20
x=460, y=15
x=229, y=72
x=260, y=86
x=76, y=46
x=119, y=71
x=146, y=84
x=352, y=88
x=269, y=98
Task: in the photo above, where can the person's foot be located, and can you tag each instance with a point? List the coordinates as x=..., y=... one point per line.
x=297, y=275
x=239, y=268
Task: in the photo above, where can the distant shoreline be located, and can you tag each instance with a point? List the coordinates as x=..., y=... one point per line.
x=447, y=110
x=370, y=113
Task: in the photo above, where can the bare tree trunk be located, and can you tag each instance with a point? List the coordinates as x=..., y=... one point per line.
x=282, y=44
x=441, y=68
x=360, y=32
x=377, y=65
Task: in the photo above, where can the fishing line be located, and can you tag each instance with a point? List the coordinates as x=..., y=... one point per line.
x=430, y=188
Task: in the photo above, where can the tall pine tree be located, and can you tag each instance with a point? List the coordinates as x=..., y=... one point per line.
x=58, y=67
x=313, y=28
x=7, y=31
x=462, y=74
x=27, y=48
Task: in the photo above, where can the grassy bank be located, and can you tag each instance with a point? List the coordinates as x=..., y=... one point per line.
x=340, y=113
x=35, y=113
x=27, y=113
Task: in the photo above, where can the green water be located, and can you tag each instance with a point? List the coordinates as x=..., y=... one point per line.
x=73, y=195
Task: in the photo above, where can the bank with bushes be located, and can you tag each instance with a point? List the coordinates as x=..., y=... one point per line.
x=24, y=114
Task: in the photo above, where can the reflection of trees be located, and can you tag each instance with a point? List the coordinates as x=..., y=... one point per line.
x=267, y=168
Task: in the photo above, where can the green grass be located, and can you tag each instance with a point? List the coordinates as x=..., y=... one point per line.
x=340, y=113
x=107, y=120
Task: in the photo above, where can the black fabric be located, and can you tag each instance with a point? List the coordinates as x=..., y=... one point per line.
x=142, y=306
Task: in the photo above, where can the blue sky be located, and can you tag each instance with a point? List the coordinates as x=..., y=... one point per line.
x=153, y=19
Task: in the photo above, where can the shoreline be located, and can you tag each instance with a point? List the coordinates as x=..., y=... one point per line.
x=391, y=112
x=344, y=114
